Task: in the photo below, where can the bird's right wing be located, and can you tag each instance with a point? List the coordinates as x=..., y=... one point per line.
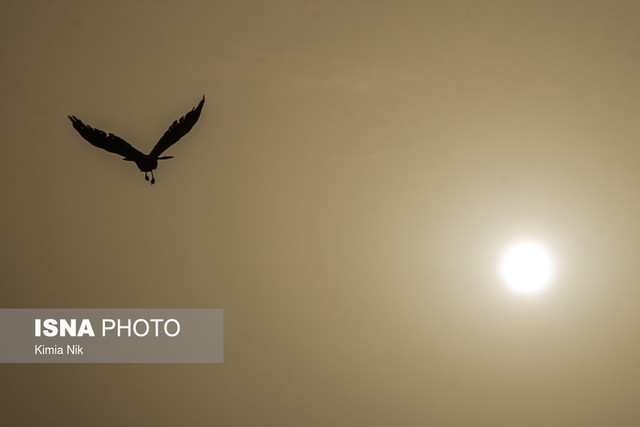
x=177, y=130
x=109, y=142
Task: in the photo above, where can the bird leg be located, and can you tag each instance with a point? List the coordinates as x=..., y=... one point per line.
x=146, y=177
x=153, y=178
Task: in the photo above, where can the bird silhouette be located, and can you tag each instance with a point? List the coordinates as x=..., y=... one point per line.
x=145, y=162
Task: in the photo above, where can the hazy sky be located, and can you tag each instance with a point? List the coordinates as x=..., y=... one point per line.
x=357, y=172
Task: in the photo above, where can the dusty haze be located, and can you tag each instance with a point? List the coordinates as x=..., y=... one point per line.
x=358, y=169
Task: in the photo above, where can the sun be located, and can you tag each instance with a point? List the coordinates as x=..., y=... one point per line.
x=526, y=267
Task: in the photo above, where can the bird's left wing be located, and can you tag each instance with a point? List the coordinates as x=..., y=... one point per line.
x=177, y=130
x=109, y=142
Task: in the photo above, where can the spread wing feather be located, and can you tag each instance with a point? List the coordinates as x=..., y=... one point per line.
x=177, y=130
x=109, y=142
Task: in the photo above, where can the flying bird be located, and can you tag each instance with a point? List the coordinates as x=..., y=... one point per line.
x=145, y=162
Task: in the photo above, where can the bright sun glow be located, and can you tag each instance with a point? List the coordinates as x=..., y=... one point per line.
x=526, y=267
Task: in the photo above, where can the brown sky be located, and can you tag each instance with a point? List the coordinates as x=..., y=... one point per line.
x=357, y=171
